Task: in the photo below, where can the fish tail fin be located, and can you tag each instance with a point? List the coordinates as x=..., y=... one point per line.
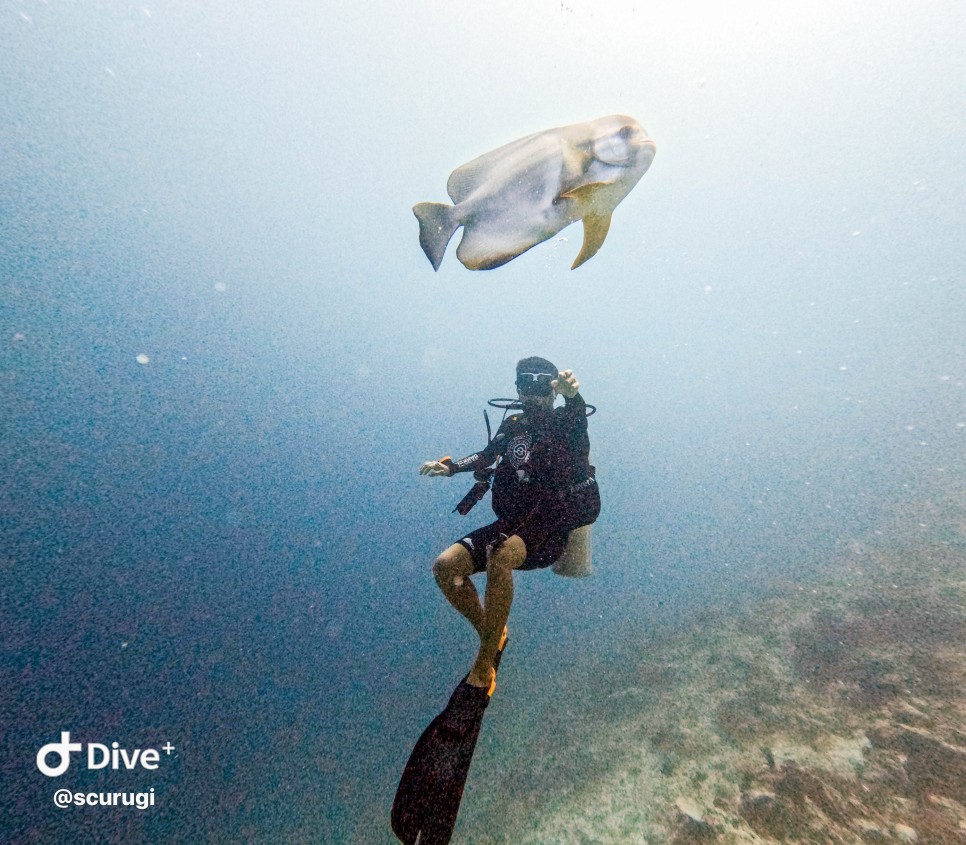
x=437, y=223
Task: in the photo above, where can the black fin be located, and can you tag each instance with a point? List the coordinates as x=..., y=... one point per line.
x=428, y=798
x=431, y=788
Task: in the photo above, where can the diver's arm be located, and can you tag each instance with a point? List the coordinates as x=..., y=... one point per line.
x=478, y=460
x=447, y=466
x=575, y=404
x=575, y=412
x=471, y=463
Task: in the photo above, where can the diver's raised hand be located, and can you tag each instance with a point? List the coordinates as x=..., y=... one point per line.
x=434, y=468
x=566, y=384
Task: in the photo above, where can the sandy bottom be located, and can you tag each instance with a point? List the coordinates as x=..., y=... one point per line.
x=826, y=711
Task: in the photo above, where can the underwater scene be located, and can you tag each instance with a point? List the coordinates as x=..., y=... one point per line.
x=262, y=269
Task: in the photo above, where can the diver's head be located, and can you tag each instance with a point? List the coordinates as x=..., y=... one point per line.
x=534, y=377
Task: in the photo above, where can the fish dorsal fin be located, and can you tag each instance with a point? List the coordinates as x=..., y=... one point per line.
x=468, y=177
x=595, y=230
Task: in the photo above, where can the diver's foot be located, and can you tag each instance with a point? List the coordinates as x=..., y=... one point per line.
x=487, y=678
x=487, y=682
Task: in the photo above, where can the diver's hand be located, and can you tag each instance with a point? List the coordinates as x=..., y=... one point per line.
x=434, y=468
x=566, y=384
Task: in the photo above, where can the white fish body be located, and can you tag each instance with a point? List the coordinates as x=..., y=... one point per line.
x=525, y=192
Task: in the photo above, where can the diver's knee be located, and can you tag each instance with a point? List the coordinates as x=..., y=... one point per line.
x=511, y=555
x=455, y=562
x=441, y=568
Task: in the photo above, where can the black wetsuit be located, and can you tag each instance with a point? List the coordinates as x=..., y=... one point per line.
x=543, y=486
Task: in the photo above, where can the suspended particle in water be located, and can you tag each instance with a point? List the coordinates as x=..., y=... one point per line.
x=142, y=359
x=221, y=287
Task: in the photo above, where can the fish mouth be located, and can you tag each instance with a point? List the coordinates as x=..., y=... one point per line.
x=628, y=151
x=645, y=150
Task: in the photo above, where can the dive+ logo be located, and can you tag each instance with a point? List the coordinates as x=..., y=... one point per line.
x=99, y=756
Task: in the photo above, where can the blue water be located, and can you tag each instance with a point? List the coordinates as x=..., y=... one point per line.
x=228, y=546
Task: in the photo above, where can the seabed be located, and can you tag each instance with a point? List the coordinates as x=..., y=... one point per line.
x=826, y=710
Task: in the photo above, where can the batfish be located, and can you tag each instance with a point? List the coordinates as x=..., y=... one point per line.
x=525, y=192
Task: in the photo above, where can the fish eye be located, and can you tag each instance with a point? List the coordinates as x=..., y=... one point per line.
x=613, y=149
x=626, y=132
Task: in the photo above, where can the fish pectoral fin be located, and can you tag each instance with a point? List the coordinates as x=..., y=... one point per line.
x=587, y=194
x=595, y=230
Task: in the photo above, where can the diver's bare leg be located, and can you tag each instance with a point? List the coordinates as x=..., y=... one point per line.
x=498, y=598
x=452, y=570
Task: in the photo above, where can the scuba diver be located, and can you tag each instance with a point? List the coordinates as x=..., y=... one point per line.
x=543, y=488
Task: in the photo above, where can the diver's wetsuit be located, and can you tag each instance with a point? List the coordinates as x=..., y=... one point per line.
x=543, y=486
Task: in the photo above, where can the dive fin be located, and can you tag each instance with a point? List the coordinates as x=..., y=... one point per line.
x=431, y=788
x=437, y=223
